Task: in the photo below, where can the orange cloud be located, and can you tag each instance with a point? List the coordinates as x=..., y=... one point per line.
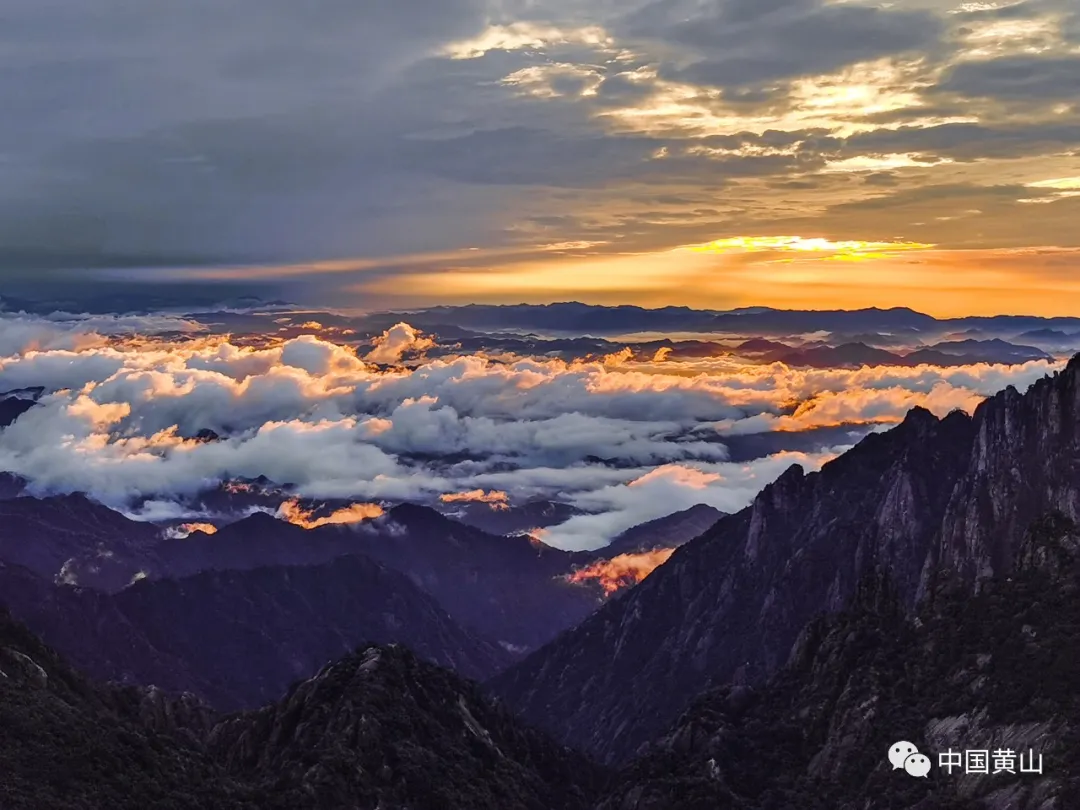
x=495, y=499
x=622, y=571
x=186, y=529
x=294, y=513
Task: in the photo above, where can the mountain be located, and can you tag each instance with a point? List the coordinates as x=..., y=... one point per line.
x=953, y=495
x=511, y=589
x=670, y=531
x=990, y=351
x=567, y=317
x=512, y=518
x=952, y=353
x=507, y=588
x=379, y=728
x=997, y=671
x=761, y=346
x=849, y=354
x=729, y=605
x=791, y=322
x=14, y=404
x=71, y=536
x=67, y=743
x=239, y=638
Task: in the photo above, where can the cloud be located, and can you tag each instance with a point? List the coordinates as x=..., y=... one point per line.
x=254, y=135
x=395, y=342
x=187, y=529
x=1016, y=78
x=21, y=332
x=293, y=512
x=622, y=570
x=495, y=499
x=743, y=43
x=663, y=490
x=626, y=441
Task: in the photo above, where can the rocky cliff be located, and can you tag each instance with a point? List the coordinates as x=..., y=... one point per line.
x=997, y=672
x=931, y=495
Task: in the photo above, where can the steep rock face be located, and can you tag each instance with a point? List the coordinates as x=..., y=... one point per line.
x=729, y=605
x=998, y=671
x=1025, y=461
x=239, y=638
x=930, y=496
x=381, y=728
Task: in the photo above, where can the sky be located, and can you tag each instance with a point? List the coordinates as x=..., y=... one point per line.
x=386, y=153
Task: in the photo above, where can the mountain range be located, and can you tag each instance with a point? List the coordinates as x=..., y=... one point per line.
x=920, y=586
x=952, y=495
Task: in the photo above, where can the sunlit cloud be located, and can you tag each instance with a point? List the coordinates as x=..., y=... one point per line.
x=1061, y=188
x=551, y=80
x=850, y=249
x=621, y=571
x=881, y=163
x=995, y=38
x=526, y=35
x=494, y=498
x=1060, y=183
x=293, y=512
x=187, y=529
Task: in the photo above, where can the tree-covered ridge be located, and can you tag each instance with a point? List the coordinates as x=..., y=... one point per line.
x=379, y=728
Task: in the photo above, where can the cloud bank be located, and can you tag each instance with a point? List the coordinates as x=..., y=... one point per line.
x=124, y=420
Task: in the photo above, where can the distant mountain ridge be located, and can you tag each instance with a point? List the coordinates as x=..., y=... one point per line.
x=584, y=319
x=239, y=638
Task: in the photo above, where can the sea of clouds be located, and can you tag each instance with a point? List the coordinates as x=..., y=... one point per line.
x=626, y=441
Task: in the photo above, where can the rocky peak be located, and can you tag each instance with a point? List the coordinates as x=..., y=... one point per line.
x=992, y=672
x=950, y=497
x=382, y=728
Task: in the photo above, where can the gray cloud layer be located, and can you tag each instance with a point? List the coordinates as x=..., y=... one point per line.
x=270, y=132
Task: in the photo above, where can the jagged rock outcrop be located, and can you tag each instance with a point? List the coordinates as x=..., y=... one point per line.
x=729, y=605
x=381, y=728
x=996, y=672
x=1024, y=462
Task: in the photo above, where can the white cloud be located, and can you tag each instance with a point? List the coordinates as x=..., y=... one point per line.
x=624, y=438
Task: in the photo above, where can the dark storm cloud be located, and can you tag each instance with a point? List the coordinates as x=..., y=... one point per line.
x=746, y=42
x=969, y=141
x=146, y=133
x=1016, y=78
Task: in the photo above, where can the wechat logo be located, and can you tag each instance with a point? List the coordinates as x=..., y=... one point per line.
x=906, y=756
